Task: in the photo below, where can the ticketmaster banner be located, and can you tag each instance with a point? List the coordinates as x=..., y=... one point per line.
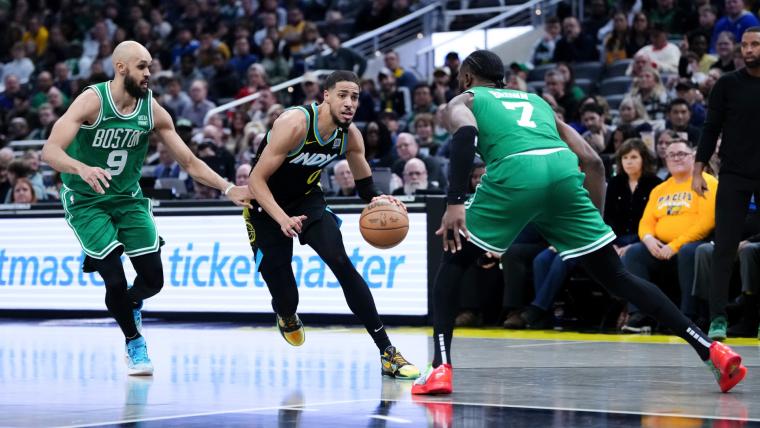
x=208, y=267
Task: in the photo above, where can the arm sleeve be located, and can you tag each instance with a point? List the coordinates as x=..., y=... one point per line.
x=462, y=157
x=705, y=222
x=713, y=124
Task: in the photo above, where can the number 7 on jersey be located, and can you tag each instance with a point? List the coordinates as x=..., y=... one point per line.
x=526, y=112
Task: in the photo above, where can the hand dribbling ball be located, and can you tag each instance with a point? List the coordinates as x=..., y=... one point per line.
x=383, y=224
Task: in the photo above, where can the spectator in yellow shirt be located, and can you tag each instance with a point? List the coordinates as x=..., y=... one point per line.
x=675, y=221
x=37, y=34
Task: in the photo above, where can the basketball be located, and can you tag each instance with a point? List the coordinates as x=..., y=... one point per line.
x=383, y=224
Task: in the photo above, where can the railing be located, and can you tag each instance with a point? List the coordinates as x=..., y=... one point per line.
x=371, y=43
x=529, y=13
x=253, y=97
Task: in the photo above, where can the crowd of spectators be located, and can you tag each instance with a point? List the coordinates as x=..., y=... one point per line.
x=634, y=78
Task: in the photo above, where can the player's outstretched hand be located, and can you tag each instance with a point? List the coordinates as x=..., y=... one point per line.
x=392, y=199
x=453, y=228
x=292, y=226
x=240, y=196
x=96, y=177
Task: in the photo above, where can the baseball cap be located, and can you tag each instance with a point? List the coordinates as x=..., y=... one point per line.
x=445, y=70
x=184, y=123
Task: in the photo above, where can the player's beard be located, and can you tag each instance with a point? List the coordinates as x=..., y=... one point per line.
x=754, y=62
x=340, y=123
x=133, y=88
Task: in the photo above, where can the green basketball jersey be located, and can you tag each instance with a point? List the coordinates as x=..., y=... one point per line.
x=116, y=142
x=512, y=122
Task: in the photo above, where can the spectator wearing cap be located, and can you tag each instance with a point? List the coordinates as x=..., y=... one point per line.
x=391, y=97
x=199, y=106
x=340, y=58
x=403, y=77
x=440, y=88
x=276, y=68
x=665, y=54
x=543, y=51
x=679, y=120
x=19, y=65
x=310, y=88
x=452, y=62
x=724, y=49
x=736, y=20
x=575, y=45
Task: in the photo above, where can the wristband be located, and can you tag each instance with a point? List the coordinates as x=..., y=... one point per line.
x=227, y=190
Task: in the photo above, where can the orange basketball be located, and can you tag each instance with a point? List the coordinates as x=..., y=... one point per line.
x=383, y=224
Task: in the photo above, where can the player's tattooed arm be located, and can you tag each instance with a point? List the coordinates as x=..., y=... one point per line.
x=83, y=111
x=590, y=161
x=287, y=133
x=195, y=167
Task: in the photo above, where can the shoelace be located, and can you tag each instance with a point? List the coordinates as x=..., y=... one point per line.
x=291, y=323
x=138, y=354
x=399, y=359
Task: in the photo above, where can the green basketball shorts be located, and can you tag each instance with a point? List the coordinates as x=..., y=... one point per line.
x=104, y=222
x=543, y=187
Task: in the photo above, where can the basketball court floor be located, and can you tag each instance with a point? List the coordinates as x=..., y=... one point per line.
x=72, y=373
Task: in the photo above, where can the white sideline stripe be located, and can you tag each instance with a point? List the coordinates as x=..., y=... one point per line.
x=390, y=419
x=578, y=409
x=219, y=412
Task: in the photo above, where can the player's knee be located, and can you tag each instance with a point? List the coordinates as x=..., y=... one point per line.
x=337, y=258
x=154, y=278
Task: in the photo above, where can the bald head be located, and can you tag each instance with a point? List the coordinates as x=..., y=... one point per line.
x=129, y=51
x=131, y=63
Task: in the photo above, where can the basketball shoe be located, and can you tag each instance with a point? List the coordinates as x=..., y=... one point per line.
x=726, y=365
x=138, y=363
x=291, y=329
x=395, y=365
x=437, y=380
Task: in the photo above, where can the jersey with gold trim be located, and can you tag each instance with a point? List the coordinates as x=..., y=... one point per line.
x=115, y=142
x=301, y=171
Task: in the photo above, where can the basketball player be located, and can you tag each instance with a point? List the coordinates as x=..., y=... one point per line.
x=99, y=145
x=532, y=177
x=290, y=203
